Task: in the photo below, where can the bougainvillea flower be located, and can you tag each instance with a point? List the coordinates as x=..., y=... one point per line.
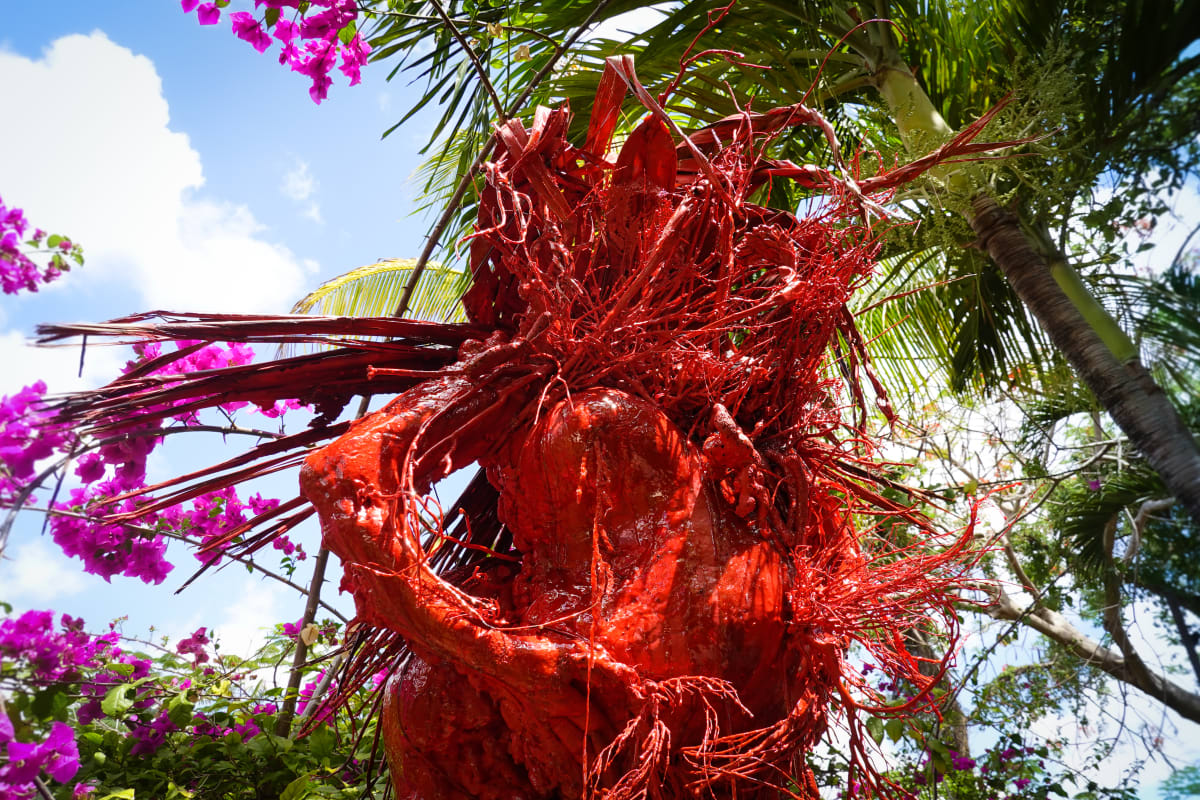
x=208, y=14
x=246, y=28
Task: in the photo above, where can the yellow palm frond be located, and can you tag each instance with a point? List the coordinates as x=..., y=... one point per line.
x=375, y=291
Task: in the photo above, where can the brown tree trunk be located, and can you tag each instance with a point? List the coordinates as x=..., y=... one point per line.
x=1135, y=402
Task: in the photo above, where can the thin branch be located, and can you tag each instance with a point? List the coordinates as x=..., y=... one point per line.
x=322, y=686
x=18, y=503
x=42, y=789
x=1183, y=247
x=1112, y=608
x=22, y=497
x=283, y=723
x=1014, y=563
x=1185, y=635
x=179, y=537
x=1138, y=524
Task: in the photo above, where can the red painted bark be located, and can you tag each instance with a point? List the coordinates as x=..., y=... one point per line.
x=681, y=576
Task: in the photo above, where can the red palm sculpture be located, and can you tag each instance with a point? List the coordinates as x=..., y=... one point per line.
x=652, y=585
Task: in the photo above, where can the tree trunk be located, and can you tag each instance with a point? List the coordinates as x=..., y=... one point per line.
x=1100, y=353
x=957, y=738
x=1135, y=402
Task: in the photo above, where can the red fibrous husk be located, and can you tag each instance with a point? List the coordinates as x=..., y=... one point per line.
x=654, y=586
x=682, y=578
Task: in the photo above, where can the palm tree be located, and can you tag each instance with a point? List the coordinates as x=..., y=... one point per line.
x=976, y=324
x=1109, y=84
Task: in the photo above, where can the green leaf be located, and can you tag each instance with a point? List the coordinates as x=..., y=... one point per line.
x=54, y=241
x=175, y=793
x=271, y=17
x=119, y=699
x=48, y=702
x=321, y=742
x=375, y=291
x=124, y=794
x=894, y=728
x=179, y=710
x=347, y=33
x=297, y=789
x=875, y=728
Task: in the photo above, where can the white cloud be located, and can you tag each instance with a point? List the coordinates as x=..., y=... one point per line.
x=40, y=574
x=58, y=366
x=259, y=606
x=300, y=186
x=113, y=175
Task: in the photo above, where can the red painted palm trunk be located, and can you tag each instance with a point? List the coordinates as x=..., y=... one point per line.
x=684, y=572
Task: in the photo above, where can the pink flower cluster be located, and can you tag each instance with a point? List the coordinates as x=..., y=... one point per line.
x=29, y=644
x=26, y=437
x=311, y=43
x=194, y=646
x=36, y=654
x=214, y=356
x=17, y=270
x=82, y=528
x=147, y=718
x=58, y=756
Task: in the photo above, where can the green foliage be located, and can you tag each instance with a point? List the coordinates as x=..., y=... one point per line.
x=192, y=727
x=1183, y=783
x=376, y=290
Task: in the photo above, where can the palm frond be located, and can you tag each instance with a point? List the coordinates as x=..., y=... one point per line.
x=376, y=289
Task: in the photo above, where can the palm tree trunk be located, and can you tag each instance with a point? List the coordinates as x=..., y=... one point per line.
x=1100, y=353
x=1137, y=404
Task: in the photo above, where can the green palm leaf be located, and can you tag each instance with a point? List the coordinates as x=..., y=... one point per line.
x=376, y=290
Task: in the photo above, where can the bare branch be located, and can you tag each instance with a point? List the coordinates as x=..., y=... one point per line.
x=1058, y=628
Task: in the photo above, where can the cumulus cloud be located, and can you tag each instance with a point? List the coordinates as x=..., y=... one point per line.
x=300, y=186
x=58, y=367
x=246, y=621
x=115, y=176
x=40, y=573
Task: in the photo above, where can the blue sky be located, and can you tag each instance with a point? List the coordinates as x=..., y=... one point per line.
x=198, y=175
